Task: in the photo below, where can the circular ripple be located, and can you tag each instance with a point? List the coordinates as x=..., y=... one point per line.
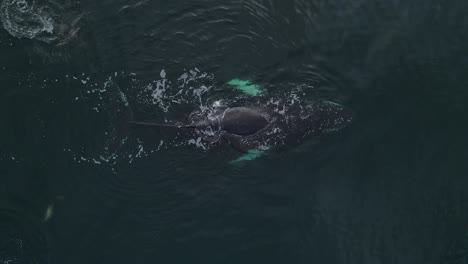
x=24, y=20
x=48, y=22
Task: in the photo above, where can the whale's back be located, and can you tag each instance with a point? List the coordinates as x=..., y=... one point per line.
x=243, y=121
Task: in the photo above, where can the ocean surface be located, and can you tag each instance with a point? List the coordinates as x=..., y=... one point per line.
x=391, y=187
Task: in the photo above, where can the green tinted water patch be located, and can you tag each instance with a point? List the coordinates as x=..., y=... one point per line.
x=245, y=86
x=250, y=155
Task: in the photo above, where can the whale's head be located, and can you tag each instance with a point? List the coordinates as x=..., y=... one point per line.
x=331, y=117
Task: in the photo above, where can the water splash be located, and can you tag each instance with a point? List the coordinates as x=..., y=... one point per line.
x=190, y=87
x=46, y=23
x=159, y=97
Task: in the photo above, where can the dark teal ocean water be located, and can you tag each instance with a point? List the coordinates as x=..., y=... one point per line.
x=392, y=187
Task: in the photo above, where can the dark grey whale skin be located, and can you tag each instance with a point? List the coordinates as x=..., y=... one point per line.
x=243, y=121
x=260, y=127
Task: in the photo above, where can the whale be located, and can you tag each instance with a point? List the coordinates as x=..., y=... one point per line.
x=258, y=126
x=248, y=124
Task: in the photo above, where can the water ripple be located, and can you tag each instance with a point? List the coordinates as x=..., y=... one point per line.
x=49, y=23
x=22, y=235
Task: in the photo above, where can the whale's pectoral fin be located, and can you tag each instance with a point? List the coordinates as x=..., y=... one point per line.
x=249, y=156
x=247, y=87
x=235, y=142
